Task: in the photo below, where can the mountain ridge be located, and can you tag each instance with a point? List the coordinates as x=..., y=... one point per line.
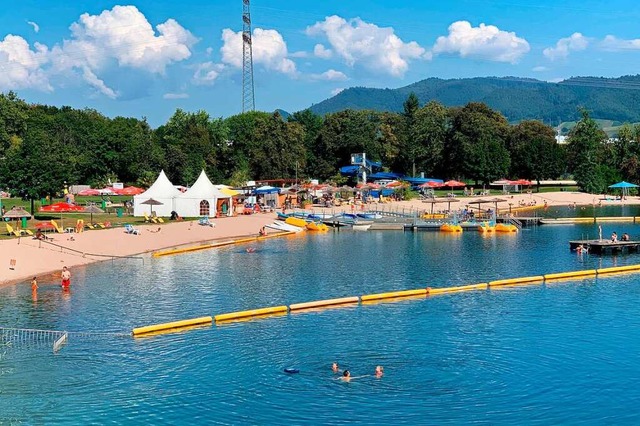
x=518, y=98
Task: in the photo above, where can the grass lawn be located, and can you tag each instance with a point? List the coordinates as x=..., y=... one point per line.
x=65, y=220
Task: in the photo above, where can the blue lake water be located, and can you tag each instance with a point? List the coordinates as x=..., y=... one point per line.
x=542, y=354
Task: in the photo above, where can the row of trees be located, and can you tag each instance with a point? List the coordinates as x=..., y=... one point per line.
x=43, y=147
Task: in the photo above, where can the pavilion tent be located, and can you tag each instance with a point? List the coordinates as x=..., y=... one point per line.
x=161, y=190
x=203, y=199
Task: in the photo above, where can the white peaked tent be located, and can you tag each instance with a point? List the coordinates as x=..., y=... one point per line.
x=162, y=190
x=202, y=199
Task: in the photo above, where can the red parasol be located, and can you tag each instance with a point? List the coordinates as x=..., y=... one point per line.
x=89, y=192
x=431, y=184
x=129, y=190
x=61, y=208
x=453, y=183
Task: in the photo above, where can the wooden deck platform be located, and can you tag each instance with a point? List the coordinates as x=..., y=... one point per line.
x=605, y=246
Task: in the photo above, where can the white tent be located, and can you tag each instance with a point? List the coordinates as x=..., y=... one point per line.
x=203, y=199
x=162, y=190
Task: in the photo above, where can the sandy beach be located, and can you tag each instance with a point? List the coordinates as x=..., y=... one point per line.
x=33, y=258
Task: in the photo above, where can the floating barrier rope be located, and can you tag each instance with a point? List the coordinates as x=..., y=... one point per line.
x=56, y=338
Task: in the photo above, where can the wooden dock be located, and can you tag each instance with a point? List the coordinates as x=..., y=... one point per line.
x=605, y=246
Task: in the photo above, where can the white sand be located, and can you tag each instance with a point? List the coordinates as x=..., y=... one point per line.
x=34, y=258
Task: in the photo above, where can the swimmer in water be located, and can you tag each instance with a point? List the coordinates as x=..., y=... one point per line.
x=251, y=250
x=346, y=376
x=334, y=367
x=379, y=371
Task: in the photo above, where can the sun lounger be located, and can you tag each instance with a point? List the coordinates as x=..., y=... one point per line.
x=204, y=221
x=11, y=231
x=129, y=229
x=58, y=229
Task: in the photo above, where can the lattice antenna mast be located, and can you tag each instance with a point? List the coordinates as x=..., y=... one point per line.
x=248, y=99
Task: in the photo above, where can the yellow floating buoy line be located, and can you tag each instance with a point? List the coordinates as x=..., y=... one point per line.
x=393, y=296
x=218, y=244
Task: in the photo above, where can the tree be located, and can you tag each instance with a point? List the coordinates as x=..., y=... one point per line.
x=281, y=151
x=475, y=145
x=429, y=136
x=342, y=134
x=312, y=124
x=412, y=146
x=585, y=141
x=535, y=154
x=192, y=142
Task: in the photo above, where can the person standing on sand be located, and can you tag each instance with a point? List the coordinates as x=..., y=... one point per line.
x=66, y=278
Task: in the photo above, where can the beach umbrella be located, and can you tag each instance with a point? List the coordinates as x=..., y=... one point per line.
x=129, y=190
x=624, y=186
x=16, y=213
x=89, y=192
x=430, y=184
x=92, y=208
x=61, y=208
x=152, y=202
x=453, y=183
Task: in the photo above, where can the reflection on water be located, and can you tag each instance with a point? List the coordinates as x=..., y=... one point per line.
x=538, y=353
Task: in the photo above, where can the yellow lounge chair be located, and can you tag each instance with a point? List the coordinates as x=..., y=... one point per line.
x=159, y=220
x=11, y=231
x=28, y=232
x=58, y=229
x=89, y=226
x=147, y=218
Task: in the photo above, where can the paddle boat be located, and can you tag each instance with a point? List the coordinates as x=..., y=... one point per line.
x=296, y=221
x=450, y=227
x=506, y=227
x=486, y=227
x=282, y=226
x=317, y=226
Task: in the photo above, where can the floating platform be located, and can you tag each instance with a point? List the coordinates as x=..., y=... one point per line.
x=606, y=246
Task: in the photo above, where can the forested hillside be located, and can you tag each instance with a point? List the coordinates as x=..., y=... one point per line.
x=616, y=99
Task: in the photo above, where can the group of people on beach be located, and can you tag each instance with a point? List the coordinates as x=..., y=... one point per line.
x=346, y=374
x=65, y=282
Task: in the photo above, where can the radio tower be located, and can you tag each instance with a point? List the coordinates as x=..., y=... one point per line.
x=248, y=100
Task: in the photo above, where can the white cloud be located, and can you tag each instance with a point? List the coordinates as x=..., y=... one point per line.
x=124, y=36
x=21, y=67
x=614, y=44
x=175, y=96
x=322, y=52
x=299, y=54
x=359, y=42
x=93, y=80
x=575, y=42
x=209, y=51
x=540, y=69
x=36, y=27
x=269, y=50
x=330, y=75
x=484, y=41
x=207, y=73
x=337, y=90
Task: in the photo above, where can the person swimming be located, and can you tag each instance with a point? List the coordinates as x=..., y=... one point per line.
x=346, y=376
x=379, y=371
x=251, y=250
x=334, y=367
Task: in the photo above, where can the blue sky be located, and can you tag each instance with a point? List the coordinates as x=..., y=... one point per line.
x=147, y=58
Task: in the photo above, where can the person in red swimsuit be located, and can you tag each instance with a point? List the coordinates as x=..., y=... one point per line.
x=66, y=278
